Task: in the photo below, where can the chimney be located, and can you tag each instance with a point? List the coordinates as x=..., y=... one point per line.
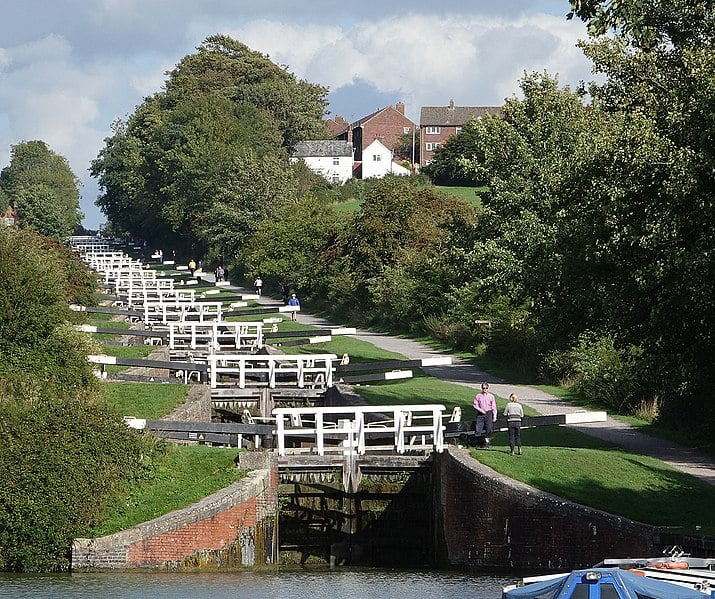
x=451, y=104
x=400, y=107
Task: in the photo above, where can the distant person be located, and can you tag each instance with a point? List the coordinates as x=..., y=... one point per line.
x=219, y=272
x=294, y=301
x=285, y=293
x=192, y=266
x=258, y=284
x=514, y=413
x=486, y=407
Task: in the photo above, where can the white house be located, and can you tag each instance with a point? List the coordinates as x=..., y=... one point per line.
x=332, y=159
x=377, y=162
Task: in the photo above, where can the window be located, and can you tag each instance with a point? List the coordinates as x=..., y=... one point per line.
x=457, y=130
x=433, y=130
x=406, y=129
x=430, y=145
x=376, y=157
x=336, y=161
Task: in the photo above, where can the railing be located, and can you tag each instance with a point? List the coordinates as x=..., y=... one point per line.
x=213, y=334
x=350, y=429
x=298, y=370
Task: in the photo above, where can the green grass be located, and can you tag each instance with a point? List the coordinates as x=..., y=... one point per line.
x=184, y=476
x=594, y=473
x=347, y=207
x=470, y=194
x=126, y=351
x=145, y=400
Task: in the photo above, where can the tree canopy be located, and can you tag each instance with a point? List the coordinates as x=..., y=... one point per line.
x=41, y=187
x=210, y=148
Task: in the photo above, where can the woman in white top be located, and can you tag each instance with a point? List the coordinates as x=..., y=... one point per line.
x=514, y=413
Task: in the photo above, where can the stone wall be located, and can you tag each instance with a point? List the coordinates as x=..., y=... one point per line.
x=486, y=520
x=231, y=528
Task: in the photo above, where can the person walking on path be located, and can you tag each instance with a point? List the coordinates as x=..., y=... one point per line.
x=258, y=284
x=294, y=301
x=285, y=293
x=514, y=413
x=486, y=407
x=192, y=266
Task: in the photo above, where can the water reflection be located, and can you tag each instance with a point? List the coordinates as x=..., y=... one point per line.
x=313, y=584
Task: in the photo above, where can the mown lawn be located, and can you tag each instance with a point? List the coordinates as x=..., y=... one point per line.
x=145, y=400
x=470, y=194
x=184, y=476
x=594, y=473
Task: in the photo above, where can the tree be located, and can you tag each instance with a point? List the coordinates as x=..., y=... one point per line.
x=391, y=262
x=167, y=174
x=64, y=453
x=659, y=66
x=43, y=190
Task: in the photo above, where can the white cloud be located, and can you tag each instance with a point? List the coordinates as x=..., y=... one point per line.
x=424, y=58
x=67, y=75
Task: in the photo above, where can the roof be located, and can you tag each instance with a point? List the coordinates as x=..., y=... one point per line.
x=454, y=116
x=323, y=147
x=631, y=585
x=360, y=122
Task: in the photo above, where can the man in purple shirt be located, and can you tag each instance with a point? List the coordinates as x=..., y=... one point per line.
x=486, y=407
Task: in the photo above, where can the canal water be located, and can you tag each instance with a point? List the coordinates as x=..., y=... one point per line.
x=310, y=584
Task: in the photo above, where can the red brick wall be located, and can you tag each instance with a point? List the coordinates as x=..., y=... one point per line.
x=213, y=533
x=386, y=126
x=238, y=520
x=485, y=519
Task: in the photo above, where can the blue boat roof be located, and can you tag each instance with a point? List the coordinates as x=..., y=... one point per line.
x=626, y=584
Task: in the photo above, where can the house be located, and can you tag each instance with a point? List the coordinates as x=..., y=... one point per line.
x=334, y=127
x=439, y=123
x=378, y=161
x=10, y=217
x=386, y=125
x=332, y=159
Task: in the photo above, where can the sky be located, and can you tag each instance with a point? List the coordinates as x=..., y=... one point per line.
x=70, y=68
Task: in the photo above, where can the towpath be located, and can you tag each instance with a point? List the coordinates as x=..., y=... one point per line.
x=461, y=372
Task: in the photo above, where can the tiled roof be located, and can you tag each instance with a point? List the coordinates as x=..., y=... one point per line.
x=455, y=116
x=323, y=147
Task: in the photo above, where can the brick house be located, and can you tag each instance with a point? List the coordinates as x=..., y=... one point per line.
x=439, y=123
x=334, y=127
x=385, y=125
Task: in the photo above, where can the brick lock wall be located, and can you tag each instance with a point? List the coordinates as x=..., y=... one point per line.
x=231, y=527
x=488, y=520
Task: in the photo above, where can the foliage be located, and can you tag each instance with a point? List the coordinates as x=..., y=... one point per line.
x=64, y=452
x=394, y=258
x=60, y=463
x=200, y=164
x=289, y=249
x=43, y=190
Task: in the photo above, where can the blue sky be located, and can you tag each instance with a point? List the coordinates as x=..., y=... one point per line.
x=69, y=68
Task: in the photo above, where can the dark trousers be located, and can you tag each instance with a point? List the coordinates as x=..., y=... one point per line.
x=514, y=435
x=485, y=424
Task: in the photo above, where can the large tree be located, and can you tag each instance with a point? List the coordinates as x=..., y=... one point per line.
x=657, y=56
x=43, y=190
x=168, y=173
